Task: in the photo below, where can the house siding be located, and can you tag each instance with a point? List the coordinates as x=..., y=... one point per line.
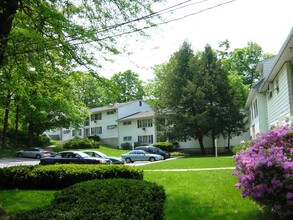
x=279, y=104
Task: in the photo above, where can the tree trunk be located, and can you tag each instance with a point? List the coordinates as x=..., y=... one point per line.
x=5, y=123
x=5, y=128
x=8, y=10
x=200, y=140
x=229, y=137
x=30, y=134
x=16, y=126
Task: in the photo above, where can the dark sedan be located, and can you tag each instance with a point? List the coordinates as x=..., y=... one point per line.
x=77, y=157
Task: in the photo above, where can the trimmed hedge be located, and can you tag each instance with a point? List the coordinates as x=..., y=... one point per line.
x=60, y=176
x=166, y=146
x=113, y=199
x=81, y=143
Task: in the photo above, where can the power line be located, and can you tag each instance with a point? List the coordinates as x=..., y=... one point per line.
x=138, y=29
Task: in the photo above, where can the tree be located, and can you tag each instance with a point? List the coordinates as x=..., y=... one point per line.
x=195, y=96
x=243, y=61
x=127, y=86
x=52, y=38
x=68, y=26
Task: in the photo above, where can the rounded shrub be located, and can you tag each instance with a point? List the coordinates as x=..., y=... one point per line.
x=113, y=199
x=265, y=171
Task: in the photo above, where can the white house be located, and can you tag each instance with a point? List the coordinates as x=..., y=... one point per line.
x=270, y=101
x=115, y=124
x=131, y=122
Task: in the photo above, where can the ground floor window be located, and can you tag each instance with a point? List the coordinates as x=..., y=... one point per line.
x=76, y=132
x=145, y=139
x=86, y=132
x=127, y=138
x=96, y=131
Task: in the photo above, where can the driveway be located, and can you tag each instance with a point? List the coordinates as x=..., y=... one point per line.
x=17, y=161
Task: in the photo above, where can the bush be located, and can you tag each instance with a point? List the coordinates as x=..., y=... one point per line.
x=265, y=171
x=166, y=146
x=95, y=138
x=103, y=199
x=126, y=146
x=60, y=176
x=81, y=143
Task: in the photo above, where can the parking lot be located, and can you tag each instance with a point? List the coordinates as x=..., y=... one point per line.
x=18, y=161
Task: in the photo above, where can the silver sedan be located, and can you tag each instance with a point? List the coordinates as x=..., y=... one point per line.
x=34, y=152
x=140, y=155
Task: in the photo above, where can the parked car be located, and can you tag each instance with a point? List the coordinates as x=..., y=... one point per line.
x=77, y=157
x=34, y=152
x=115, y=160
x=154, y=150
x=140, y=155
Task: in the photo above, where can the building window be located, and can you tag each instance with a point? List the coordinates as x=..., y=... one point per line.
x=127, y=123
x=96, y=116
x=111, y=127
x=145, y=139
x=127, y=138
x=96, y=131
x=111, y=112
x=87, y=122
x=277, y=86
x=76, y=132
x=86, y=132
x=144, y=123
x=140, y=103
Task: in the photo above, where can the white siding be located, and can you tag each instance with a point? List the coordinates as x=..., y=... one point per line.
x=279, y=105
x=131, y=130
x=132, y=108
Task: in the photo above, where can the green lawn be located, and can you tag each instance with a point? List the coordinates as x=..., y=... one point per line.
x=192, y=162
x=190, y=194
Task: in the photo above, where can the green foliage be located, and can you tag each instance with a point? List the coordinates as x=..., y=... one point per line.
x=81, y=143
x=126, y=146
x=166, y=146
x=104, y=199
x=61, y=176
x=127, y=87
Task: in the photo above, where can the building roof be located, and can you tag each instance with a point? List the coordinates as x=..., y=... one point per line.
x=139, y=115
x=284, y=55
x=110, y=107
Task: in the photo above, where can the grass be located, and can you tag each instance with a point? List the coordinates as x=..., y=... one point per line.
x=192, y=162
x=190, y=194
x=15, y=201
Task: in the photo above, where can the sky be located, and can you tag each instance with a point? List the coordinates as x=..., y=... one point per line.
x=265, y=22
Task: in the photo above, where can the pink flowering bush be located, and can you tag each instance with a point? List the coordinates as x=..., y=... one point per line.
x=265, y=170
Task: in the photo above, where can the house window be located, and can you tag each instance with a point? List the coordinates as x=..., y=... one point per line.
x=144, y=123
x=127, y=138
x=96, y=131
x=270, y=92
x=87, y=122
x=96, y=116
x=145, y=139
x=140, y=103
x=76, y=132
x=277, y=86
x=86, y=132
x=127, y=123
x=111, y=126
x=111, y=112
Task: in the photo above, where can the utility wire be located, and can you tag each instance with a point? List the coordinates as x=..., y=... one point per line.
x=136, y=30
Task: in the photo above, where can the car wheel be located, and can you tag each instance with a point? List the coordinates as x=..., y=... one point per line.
x=38, y=156
x=127, y=160
x=19, y=154
x=152, y=159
